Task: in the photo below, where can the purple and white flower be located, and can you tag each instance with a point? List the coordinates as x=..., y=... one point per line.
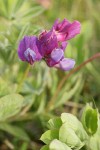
x=50, y=45
x=28, y=49
x=53, y=52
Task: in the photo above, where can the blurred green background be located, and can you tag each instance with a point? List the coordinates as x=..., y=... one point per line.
x=37, y=84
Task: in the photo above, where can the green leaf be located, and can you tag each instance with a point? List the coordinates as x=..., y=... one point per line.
x=33, y=12
x=17, y=5
x=23, y=31
x=74, y=124
x=4, y=8
x=55, y=123
x=5, y=4
x=24, y=146
x=14, y=130
x=67, y=95
x=79, y=45
x=94, y=142
x=68, y=136
x=71, y=120
x=4, y=87
x=58, y=145
x=49, y=135
x=90, y=118
x=41, y=106
x=8, y=7
x=46, y=147
x=94, y=71
x=10, y=105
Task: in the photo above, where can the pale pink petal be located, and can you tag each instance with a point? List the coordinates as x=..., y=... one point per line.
x=65, y=64
x=57, y=54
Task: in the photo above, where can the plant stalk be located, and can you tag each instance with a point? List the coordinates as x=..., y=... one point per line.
x=50, y=105
x=23, y=78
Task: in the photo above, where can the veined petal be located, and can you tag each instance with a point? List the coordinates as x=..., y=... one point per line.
x=73, y=30
x=30, y=56
x=21, y=48
x=67, y=64
x=66, y=30
x=28, y=49
x=60, y=26
x=48, y=42
x=57, y=54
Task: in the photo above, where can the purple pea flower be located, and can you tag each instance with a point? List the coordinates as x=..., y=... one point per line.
x=65, y=30
x=28, y=49
x=53, y=51
x=50, y=45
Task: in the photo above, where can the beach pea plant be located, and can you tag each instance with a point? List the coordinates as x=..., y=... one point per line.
x=50, y=80
x=68, y=133
x=65, y=132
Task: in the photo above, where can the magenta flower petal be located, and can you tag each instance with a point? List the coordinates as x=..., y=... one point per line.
x=61, y=26
x=65, y=30
x=48, y=42
x=63, y=45
x=57, y=54
x=50, y=62
x=54, y=58
x=73, y=30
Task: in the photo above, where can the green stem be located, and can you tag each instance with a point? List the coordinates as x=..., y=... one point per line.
x=50, y=105
x=23, y=78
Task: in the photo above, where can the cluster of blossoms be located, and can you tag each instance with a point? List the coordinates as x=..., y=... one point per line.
x=50, y=45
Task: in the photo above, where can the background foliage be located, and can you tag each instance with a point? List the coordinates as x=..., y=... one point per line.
x=26, y=92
